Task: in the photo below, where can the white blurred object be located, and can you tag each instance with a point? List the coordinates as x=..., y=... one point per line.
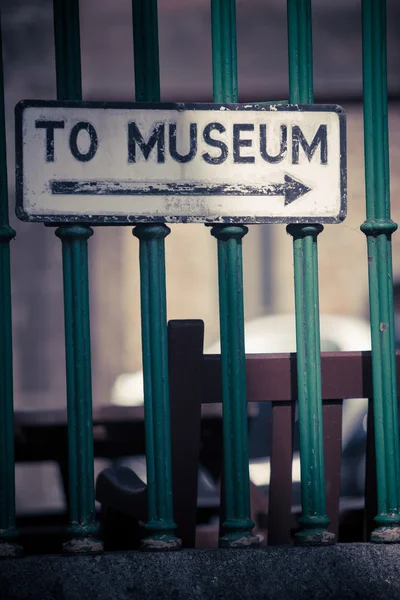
x=276, y=333
x=265, y=335
x=128, y=389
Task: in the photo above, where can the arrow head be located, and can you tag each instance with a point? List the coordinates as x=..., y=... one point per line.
x=294, y=189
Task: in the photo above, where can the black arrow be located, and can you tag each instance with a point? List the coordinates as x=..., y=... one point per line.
x=294, y=189
x=291, y=189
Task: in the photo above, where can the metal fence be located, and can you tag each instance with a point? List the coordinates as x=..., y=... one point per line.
x=378, y=227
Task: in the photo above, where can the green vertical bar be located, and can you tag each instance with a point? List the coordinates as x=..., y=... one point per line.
x=314, y=521
x=161, y=525
x=379, y=228
x=145, y=48
x=8, y=531
x=68, y=49
x=237, y=527
x=156, y=388
x=83, y=527
x=300, y=52
x=224, y=58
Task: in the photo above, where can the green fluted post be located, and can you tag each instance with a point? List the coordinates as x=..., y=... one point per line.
x=161, y=525
x=83, y=526
x=313, y=521
x=156, y=387
x=237, y=527
x=379, y=228
x=83, y=529
x=8, y=531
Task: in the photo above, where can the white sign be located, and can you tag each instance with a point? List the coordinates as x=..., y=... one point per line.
x=116, y=163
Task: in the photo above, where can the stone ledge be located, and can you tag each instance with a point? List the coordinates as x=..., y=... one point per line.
x=341, y=571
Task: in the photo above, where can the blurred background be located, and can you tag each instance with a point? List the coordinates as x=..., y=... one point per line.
x=185, y=55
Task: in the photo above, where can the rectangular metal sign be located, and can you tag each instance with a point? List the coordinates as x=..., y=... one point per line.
x=128, y=163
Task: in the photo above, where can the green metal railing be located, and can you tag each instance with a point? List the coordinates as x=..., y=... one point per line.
x=161, y=525
x=237, y=527
x=379, y=228
x=83, y=527
x=314, y=520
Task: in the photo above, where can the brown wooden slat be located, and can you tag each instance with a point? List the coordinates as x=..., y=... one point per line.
x=106, y=414
x=102, y=415
x=332, y=424
x=185, y=341
x=272, y=377
x=280, y=489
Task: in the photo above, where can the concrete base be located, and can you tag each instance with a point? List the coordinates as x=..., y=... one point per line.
x=342, y=571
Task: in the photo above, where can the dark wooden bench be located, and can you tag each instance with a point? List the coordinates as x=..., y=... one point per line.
x=195, y=382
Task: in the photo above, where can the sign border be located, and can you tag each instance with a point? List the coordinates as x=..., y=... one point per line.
x=177, y=106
